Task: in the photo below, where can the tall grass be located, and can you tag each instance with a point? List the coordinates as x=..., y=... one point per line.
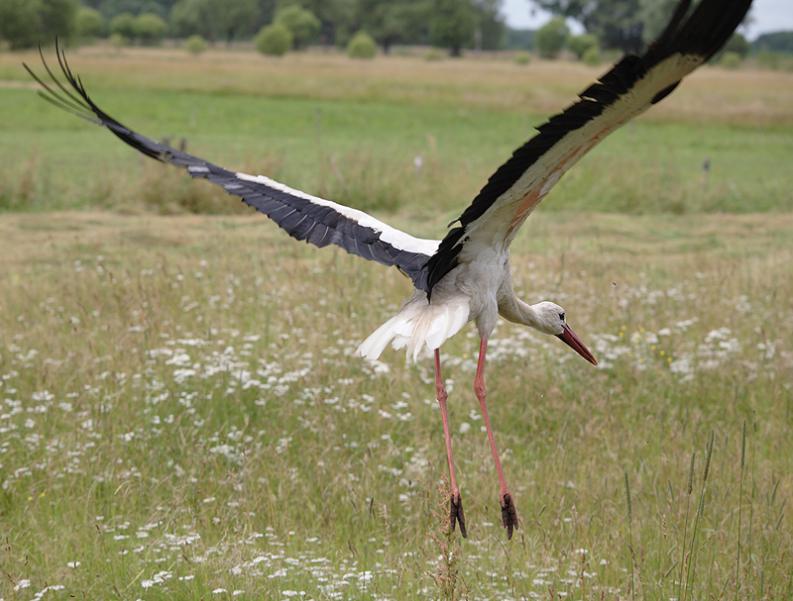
x=180, y=400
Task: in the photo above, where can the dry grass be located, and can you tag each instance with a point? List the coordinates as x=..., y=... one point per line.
x=712, y=95
x=181, y=414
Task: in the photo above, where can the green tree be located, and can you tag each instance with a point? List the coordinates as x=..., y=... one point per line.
x=19, y=23
x=738, y=44
x=580, y=44
x=124, y=25
x=395, y=22
x=88, y=23
x=551, y=37
x=303, y=24
x=190, y=17
x=616, y=23
x=274, y=40
x=490, y=28
x=215, y=19
x=238, y=18
x=362, y=46
x=591, y=56
x=25, y=23
x=626, y=25
x=520, y=39
x=654, y=15
x=338, y=18
x=453, y=25
x=777, y=41
x=149, y=28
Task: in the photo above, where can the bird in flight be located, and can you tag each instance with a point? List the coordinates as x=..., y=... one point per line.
x=466, y=275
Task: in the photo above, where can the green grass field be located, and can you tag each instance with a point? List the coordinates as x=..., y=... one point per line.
x=353, y=131
x=181, y=415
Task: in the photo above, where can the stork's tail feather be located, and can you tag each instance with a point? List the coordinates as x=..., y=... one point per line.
x=419, y=327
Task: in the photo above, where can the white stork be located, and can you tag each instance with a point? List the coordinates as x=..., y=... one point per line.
x=466, y=276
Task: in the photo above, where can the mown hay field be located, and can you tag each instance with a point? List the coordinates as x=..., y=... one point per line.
x=181, y=412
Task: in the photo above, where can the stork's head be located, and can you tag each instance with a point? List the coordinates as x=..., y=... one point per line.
x=551, y=319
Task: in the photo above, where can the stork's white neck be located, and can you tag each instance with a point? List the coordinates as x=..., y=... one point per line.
x=543, y=316
x=515, y=310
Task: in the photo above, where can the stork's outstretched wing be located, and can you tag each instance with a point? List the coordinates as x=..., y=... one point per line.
x=304, y=217
x=632, y=86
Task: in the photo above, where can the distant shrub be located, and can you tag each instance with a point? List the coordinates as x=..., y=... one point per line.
x=118, y=41
x=730, y=60
x=551, y=37
x=301, y=23
x=522, y=58
x=123, y=24
x=274, y=40
x=168, y=192
x=362, y=46
x=592, y=56
x=771, y=60
x=195, y=44
x=434, y=55
x=738, y=44
x=580, y=44
x=88, y=23
x=149, y=28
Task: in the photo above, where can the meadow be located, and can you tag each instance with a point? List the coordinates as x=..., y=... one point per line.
x=181, y=413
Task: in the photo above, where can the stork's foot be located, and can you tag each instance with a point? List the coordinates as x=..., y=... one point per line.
x=509, y=517
x=456, y=514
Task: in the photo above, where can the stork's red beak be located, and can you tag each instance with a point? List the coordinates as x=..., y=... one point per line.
x=570, y=339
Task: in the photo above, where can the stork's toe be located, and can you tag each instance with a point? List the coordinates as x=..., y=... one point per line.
x=456, y=514
x=509, y=516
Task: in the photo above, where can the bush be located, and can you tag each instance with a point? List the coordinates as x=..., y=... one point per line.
x=274, y=40
x=195, y=44
x=738, y=44
x=434, y=55
x=149, y=28
x=124, y=25
x=730, y=60
x=551, y=37
x=592, y=56
x=768, y=60
x=522, y=58
x=580, y=44
x=301, y=23
x=362, y=45
x=118, y=41
x=88, y=23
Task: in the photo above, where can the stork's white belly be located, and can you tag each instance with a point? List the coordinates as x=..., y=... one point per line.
x=481, y=279
x=468, y=293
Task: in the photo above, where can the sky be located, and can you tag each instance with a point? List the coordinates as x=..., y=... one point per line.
x=769, y=15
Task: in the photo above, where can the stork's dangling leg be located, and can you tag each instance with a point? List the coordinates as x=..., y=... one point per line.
x=456, y=501
x=509, y=517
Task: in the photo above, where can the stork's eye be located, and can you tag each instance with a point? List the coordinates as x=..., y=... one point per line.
x=561, y=316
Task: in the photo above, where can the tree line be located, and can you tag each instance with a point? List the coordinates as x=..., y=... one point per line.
x=451, y=24
x=456, y=25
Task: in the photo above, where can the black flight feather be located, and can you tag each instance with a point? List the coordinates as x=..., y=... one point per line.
x=701, y=32
x=301, y=218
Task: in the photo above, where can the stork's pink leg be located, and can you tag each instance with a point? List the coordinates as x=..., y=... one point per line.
x=456, y=502
x=509, y=517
